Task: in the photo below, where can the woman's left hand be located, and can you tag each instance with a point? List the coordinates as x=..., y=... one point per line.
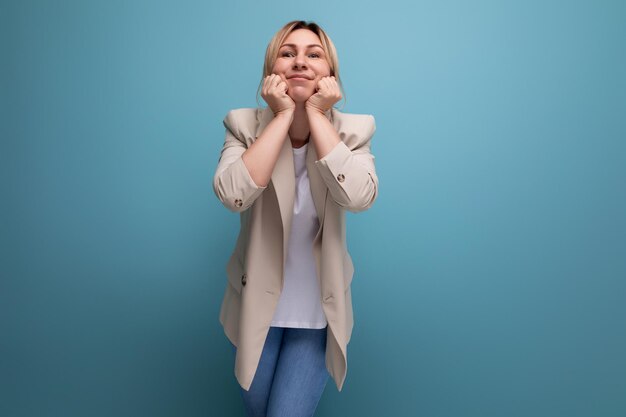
x=328, y=93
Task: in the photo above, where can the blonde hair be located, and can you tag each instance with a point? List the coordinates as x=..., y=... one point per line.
x=271, y=53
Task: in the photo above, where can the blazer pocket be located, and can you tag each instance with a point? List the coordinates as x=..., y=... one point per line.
x=348, y=270
x=235, y=271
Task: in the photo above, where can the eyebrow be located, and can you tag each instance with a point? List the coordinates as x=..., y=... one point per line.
x=308, y=46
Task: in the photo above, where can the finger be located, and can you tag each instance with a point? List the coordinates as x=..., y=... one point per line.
x=333, y=89
x=330, y=88
x=325, y=85
x=267, y=83
x=282, y=87
x=264, y=87
x=274, y=80
x=274, y=84
x=269, y=79
x=334, y=84
x=281, y=84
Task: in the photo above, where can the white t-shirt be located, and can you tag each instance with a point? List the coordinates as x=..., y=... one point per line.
x=300, y=303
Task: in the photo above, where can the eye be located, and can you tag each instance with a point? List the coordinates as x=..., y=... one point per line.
x=315, y=55
x=286, y=53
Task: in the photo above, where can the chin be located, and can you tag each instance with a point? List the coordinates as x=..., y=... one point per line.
x=300, y=98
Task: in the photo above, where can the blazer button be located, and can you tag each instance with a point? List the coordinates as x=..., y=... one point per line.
x=238, y=202
x=340, y=177
x=243, y=279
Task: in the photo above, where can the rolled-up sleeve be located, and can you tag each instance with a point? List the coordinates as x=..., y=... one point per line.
x=350, y=175
x=232, y=182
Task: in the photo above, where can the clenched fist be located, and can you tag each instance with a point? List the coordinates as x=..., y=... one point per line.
x=328, y=93
x=274, y=92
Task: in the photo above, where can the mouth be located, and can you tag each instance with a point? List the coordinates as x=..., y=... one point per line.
x=299, y=77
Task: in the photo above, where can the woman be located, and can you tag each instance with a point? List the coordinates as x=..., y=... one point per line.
x=292, y=170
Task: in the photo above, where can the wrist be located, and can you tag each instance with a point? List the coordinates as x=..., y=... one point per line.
x=285, y=114
x=312, y=111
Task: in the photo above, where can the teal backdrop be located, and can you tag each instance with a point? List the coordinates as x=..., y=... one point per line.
x=490, y=275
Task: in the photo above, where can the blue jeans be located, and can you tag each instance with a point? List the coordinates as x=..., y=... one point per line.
x=291, y=375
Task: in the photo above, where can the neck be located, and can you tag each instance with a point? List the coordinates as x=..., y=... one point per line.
x=299, y=130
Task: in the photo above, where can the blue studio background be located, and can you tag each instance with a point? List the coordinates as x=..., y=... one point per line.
x=490, y=274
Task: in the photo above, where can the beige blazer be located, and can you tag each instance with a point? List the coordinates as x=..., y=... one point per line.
x=345, y=179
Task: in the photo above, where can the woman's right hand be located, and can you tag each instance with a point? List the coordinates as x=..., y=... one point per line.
x=274, y=92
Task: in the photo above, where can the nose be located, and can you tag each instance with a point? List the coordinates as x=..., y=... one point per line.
x=299, y=62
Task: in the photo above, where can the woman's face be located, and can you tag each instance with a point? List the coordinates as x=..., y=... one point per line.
x=301, y=55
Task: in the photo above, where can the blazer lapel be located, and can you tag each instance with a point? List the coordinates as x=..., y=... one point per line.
x=319, y=190
x=283, y=177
